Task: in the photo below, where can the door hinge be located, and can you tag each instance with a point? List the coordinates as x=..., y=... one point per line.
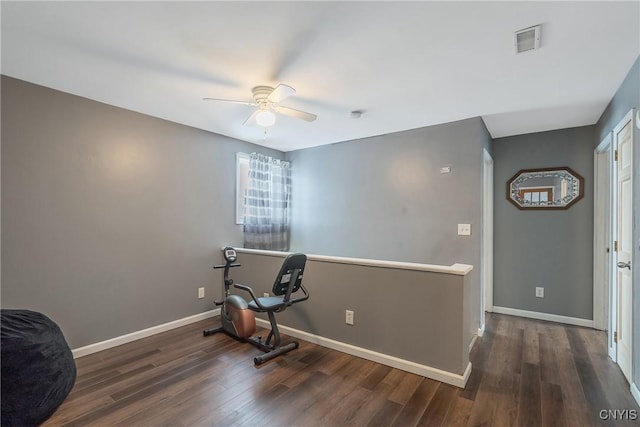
x=615, y=155
x=615, y=246
x=615, y=336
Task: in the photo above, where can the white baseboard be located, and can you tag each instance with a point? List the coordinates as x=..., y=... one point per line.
x=395, y=362
x=472, y=342
x=544, y=316
x=635, y=393
x=123, y=339
x=475, y=337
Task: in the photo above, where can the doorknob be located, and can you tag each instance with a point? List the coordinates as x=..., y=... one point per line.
x=624, y=265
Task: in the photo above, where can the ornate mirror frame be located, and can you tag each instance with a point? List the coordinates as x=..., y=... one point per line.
x=545, y=188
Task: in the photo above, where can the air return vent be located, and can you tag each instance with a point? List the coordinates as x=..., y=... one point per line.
x=527, y=39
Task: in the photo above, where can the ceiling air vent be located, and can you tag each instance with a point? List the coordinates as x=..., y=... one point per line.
x=527, y=39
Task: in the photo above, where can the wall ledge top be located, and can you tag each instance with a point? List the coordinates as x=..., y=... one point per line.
x=457, y=268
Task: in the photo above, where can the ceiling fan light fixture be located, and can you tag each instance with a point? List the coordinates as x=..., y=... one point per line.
x=265, y=118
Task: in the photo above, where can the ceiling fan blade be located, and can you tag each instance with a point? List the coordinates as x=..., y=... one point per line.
x=295, y=113
x=251, y=118
x=280, y=93
x=230, y=100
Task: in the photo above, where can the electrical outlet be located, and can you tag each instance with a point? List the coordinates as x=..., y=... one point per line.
x=266, y=294
x=200, y=293
x=539, y=292
x=464, y=229
x=348, y=318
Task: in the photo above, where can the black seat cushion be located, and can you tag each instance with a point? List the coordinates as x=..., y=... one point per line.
x=269, y=303
x=38, y=370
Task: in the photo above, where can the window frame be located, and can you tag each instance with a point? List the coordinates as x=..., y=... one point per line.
x=242, y=182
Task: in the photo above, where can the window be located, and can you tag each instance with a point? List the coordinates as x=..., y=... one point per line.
x=263, y=191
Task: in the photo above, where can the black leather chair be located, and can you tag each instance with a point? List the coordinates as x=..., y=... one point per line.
x=287, y=283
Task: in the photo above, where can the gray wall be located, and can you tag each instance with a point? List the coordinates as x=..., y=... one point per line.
x=626, y=98
x=111, y=219
x=384, y=198
x=553, y=249
x=414, y=315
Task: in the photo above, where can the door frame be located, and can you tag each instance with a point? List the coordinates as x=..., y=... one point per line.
x=605, y=293
x=614, y=314
x=602, y=237
x=486, y=280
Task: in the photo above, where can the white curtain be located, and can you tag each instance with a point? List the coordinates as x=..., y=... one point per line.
x=266, y=204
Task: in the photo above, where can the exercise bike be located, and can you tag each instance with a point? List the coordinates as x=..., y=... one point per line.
x=236, y=316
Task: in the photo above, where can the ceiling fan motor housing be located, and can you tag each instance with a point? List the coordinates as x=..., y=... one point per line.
x=261, y=93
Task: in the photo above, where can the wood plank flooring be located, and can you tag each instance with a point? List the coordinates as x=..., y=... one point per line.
x=525, y=373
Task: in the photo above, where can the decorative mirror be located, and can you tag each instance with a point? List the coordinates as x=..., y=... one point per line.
x=548, y=188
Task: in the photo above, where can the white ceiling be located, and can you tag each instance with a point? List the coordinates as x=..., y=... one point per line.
x=405, y=64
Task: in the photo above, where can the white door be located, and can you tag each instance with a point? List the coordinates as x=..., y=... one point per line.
x=623, y=142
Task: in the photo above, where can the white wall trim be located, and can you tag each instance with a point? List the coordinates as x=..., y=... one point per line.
x=457, y=268
x=544, y=316
x=123, y=339
x=395, y=362
x=635, y=393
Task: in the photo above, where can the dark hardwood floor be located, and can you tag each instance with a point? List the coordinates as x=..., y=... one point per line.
x=525, y=373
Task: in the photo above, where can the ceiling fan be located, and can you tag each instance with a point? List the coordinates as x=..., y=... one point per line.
x=268, y=99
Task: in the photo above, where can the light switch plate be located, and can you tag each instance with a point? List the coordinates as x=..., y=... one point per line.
x=464, y=229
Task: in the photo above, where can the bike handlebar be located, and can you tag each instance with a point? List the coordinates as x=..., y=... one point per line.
x=223, y=266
